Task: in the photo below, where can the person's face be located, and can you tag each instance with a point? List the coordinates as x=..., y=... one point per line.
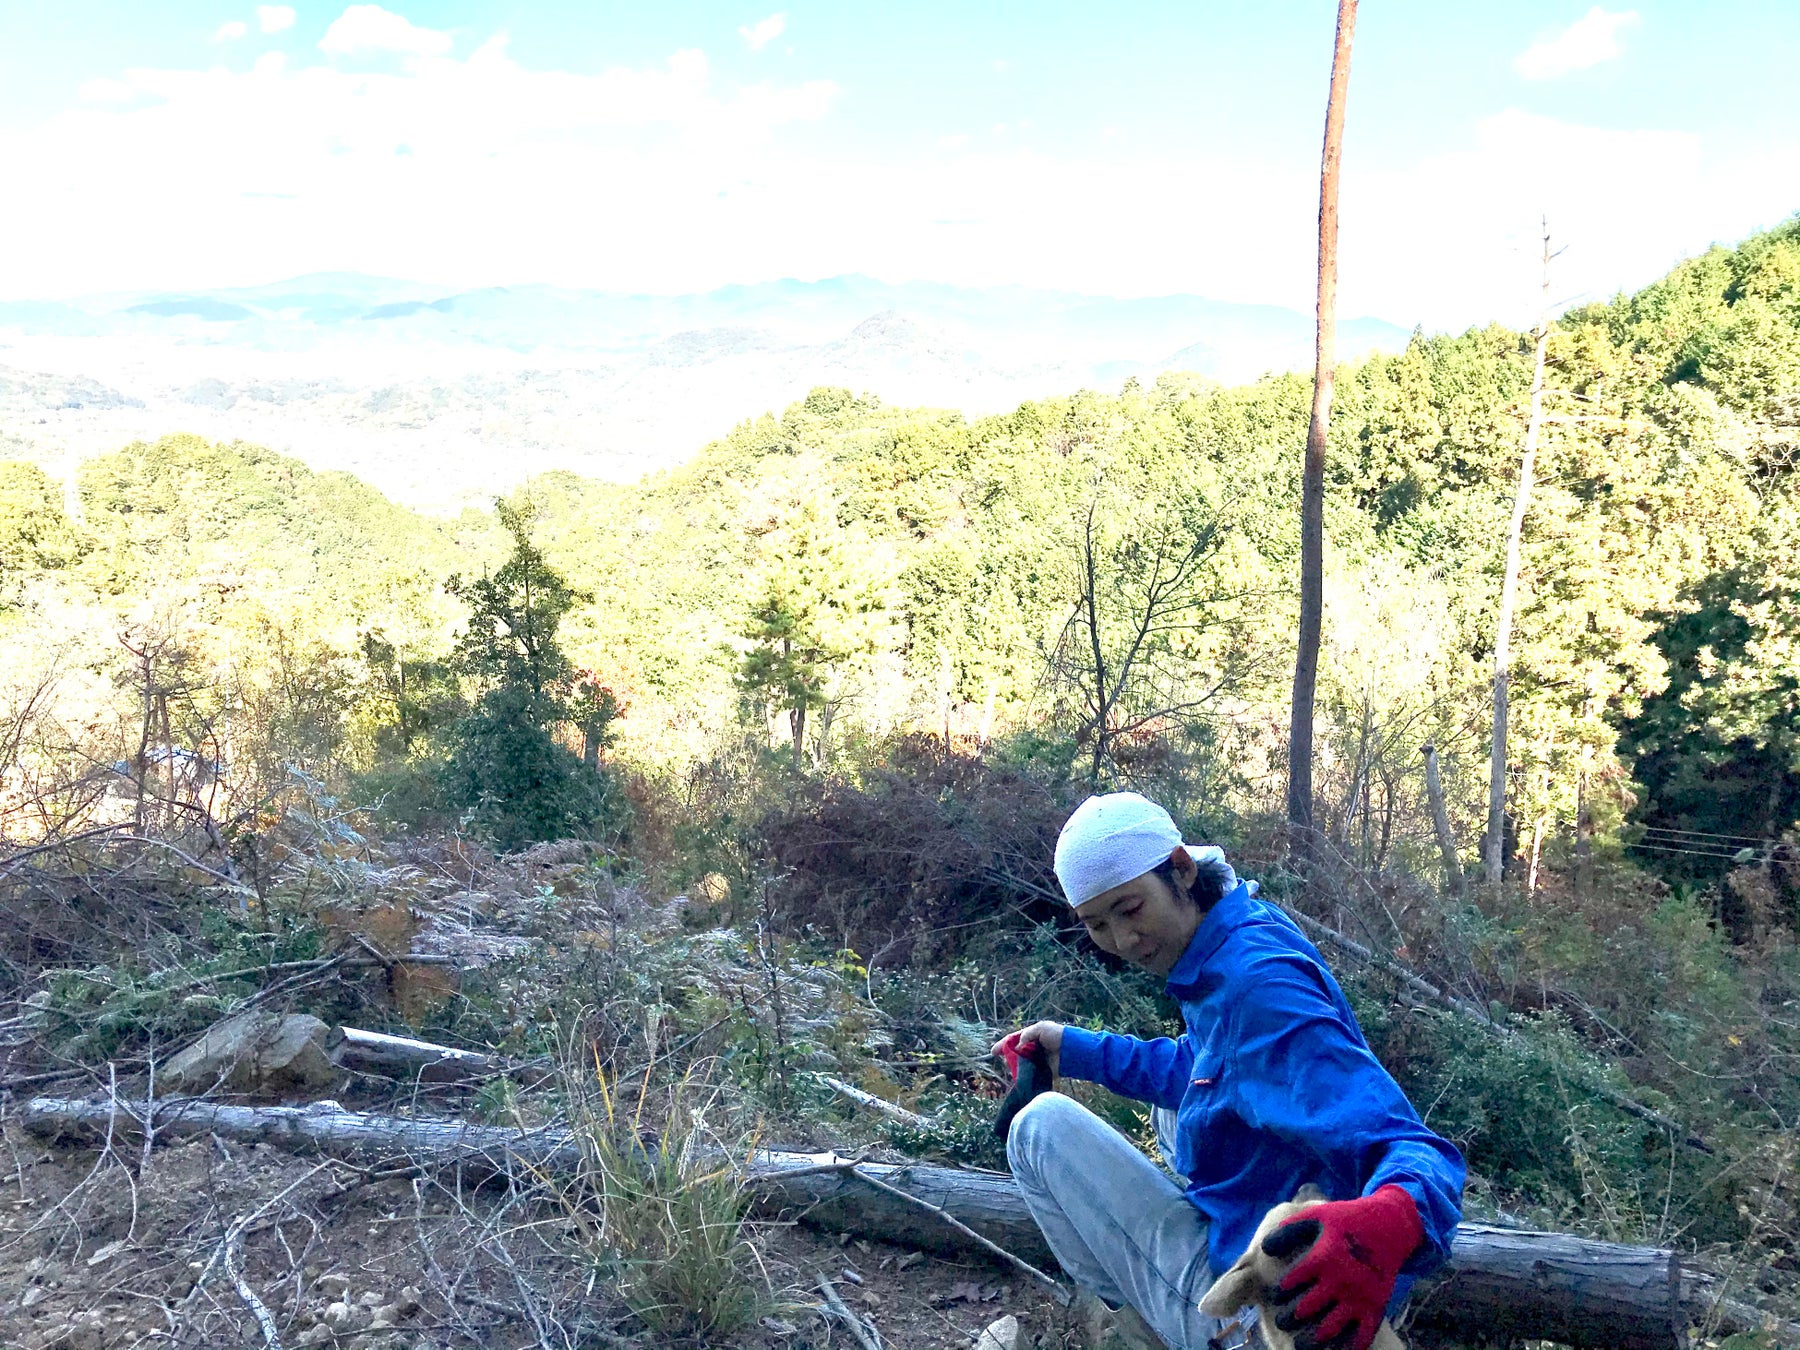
x=1144, y=921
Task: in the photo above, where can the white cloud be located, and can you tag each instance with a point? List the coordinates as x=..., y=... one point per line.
x=232, y=31
x=1591, y=39
x=478, y=163
x=671, y=177
x=370, y=28
x=106, y=91
x=760, y=35
x=275, y=18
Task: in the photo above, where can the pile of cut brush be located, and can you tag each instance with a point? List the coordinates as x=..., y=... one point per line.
x=424, y=1096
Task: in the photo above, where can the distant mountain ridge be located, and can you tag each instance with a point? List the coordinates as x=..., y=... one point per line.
x=436, y=393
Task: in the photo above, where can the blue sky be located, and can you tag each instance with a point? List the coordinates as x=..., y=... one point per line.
x=1120, y=149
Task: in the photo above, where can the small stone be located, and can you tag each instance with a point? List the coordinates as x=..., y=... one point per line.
x=1001, y=1335
x=372, y=1299
x=410, y=1300
x=338, y=1316
x=335, y=1286
x=385, y=1318
x=317, y=1334
x=33, y=1296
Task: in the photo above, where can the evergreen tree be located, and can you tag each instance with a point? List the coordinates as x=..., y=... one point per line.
x=821, y=605
x=506, y=766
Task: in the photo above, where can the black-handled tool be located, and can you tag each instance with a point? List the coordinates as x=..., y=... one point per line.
x=1034, y=1076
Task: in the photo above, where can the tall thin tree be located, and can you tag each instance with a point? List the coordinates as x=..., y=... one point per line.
x=1494, y=853
x=1312, y=488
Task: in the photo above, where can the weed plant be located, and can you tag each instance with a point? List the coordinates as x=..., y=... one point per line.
x=659, y=1204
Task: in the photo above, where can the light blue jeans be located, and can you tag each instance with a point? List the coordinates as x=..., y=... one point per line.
x=1118, y=1223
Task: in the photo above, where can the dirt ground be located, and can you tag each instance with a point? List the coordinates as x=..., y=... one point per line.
x=113, y=1248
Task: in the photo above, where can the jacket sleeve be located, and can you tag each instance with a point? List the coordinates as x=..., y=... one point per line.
x=1301, y=1070
x=1148, y=1071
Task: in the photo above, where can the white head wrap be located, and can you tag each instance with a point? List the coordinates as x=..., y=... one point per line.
x=1115, y=838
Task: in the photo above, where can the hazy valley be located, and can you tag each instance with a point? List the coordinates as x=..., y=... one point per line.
x=437, y=397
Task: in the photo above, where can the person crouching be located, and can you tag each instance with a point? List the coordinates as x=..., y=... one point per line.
x=1270, y=1087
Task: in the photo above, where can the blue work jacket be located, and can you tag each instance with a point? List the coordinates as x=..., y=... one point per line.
x=1274, y=1086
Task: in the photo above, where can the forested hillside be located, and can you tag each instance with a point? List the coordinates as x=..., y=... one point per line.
x=838, y=678
x=936, y=571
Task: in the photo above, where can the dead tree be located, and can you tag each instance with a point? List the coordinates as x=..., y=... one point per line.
x=1119, y=653
x=1495, y=850
x=1312, y=487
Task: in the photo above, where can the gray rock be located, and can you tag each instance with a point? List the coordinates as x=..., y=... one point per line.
x=257, y=1053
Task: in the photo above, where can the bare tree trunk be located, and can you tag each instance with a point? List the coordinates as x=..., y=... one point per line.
x=1584, y=809
x=1584, y=831
x=1440, y=823
x=1090, y=590
x=1538, y=827
x=1509, y=586
x=797, y=725
x=1312, y=487
x=140, y=764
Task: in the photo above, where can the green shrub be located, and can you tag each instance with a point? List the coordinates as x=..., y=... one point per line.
x=516, y=783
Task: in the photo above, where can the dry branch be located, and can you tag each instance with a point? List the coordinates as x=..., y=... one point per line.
x=1501, y=1283
x=881, y=1104
x=266, y=1323
x=991, y=1248
x=866, y=1336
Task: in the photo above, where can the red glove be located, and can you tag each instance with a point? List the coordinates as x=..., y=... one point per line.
x=1337, y=1293
x=1008, y=1050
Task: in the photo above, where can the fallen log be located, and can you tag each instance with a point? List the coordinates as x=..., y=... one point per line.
x=1501, y=1284
x=401, y=1056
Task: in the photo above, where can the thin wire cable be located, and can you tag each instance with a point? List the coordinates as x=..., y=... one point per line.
x=1689, y=852
x=1706, y=834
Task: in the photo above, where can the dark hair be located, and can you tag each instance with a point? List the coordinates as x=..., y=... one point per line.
x=1209, y=881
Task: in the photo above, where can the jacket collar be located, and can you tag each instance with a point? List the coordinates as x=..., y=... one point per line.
x=1218, y=924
